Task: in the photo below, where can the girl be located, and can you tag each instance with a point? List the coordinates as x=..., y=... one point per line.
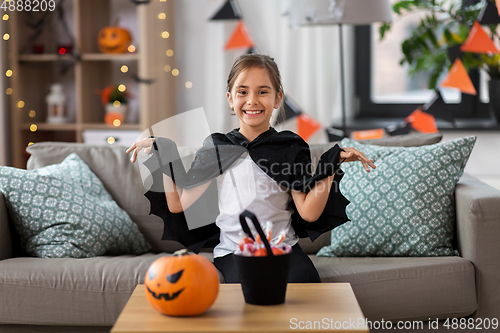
x=276, y=165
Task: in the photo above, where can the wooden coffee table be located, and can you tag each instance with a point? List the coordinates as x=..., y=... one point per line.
x=308, y=307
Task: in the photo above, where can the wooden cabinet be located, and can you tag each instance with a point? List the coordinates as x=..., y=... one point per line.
x=85, y=70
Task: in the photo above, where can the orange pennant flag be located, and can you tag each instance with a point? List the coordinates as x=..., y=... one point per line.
x=306, y=126
x=368, y=134
x=478, y=41
x=239, y=38
x=422, y=121
x=458, y=78
x=498, y=6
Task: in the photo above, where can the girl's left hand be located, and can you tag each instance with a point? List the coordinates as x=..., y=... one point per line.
x=352, y=154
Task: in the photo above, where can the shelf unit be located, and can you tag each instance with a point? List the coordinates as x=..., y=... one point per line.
x=84, y=72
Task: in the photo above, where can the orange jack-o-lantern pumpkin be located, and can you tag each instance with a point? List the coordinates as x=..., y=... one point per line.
x=114, y=39
x=181, y=285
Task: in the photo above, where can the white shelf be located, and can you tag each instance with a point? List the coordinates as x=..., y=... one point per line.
x=110, y=56
x=98, y=126
x=45, y=57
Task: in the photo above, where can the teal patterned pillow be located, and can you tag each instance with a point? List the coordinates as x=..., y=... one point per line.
x=404, y=207
x=63, y=210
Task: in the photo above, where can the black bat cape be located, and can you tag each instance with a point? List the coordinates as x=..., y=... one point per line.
x=283, y=151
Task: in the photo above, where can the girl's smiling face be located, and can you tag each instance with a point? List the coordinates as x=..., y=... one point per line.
x=253, y=99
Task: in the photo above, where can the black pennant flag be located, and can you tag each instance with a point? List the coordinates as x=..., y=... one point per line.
x=399, y=128
x=228, y=11
x=292, y=110
x=489, y=13
x=141, y=2
x=454, y=52
x=137, y=79
x=335, y=134
x=438, y=108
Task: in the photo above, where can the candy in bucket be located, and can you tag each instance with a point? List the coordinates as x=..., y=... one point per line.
x=263, y=274
x=250, y=247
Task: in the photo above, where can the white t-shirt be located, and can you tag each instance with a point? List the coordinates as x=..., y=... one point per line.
x=246, y=186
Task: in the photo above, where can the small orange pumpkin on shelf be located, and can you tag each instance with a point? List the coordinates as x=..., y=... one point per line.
x=114, y=39
x=182, y=284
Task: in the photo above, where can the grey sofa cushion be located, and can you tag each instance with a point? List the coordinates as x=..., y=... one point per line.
x=5, y=231
x=478, y=230
x=405, y=288
x=90, y=291
x=120, y=178
x=313, y=247
x=409, y=140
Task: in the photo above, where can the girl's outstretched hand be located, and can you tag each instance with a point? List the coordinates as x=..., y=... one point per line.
x=352, y=154
x=136, y=148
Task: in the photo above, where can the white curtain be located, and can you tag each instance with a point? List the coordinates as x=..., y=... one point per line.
x=308, y=58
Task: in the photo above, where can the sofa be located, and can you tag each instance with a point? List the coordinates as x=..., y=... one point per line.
x=87, y=295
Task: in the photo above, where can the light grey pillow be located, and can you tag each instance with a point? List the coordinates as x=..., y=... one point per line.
x=407, y=140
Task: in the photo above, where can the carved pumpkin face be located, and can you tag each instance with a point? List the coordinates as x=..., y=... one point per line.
x=181, y=285
x=114, y=40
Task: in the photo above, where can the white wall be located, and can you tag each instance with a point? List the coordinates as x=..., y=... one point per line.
x=484, y=161
x=308, y=58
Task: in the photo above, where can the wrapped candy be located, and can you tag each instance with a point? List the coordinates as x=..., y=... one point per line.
x=249, y=247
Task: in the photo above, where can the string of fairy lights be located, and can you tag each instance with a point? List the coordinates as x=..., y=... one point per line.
x=33, y=127
x=6, y=37
x=170, y=53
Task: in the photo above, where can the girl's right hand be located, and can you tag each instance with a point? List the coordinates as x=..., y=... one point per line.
x=136, y=148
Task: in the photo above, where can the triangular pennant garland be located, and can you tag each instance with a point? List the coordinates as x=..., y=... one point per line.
x=306, y=126
x=287, y=125
x=458, y=78
x=399, y=128
x=497, y=2
x=334, y=134
x=454, y=52
x=489, y=13
x=227, y=12
x=422, y=121
x=478, y=41
x=438, y=108
x=239, y=38
x=368, y=134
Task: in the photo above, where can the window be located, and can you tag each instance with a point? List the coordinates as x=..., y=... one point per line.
x=385, y=89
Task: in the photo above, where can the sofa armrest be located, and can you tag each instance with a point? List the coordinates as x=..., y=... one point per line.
x=5, y=232
x=478, y=232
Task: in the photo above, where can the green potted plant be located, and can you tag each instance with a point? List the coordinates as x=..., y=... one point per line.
x=446, y=24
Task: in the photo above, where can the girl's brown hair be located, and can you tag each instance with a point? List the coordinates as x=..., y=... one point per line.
x=248, y=61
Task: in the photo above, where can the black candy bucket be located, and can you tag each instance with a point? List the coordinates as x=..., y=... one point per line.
x=263, y=279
